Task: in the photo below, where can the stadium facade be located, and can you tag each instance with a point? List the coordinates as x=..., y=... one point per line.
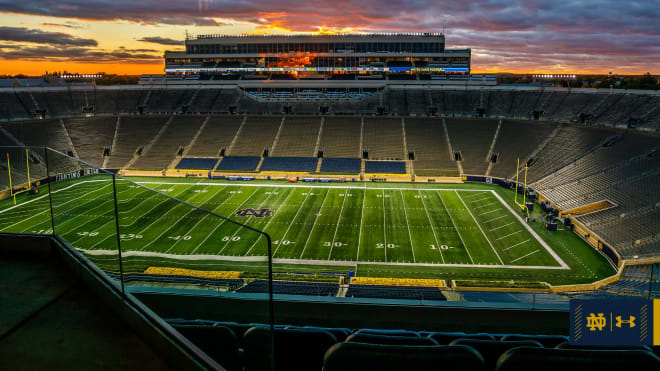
x=405, y=56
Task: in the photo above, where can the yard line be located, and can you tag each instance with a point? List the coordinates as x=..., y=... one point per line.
x=332, y=244
x=46, y=195
x=384, y=226
x=499, y=217
x=479, y=225
x=408, y=224
x=437, y=244
x=509, y=235
x=519, y=243
x=314, y=225
x=502, y=226
x=224, y=220
x=488, y=212
x=477, y=194
x=456, y=228
x=526, y=255
x=486, y=205
x=48, y=210
x=364, y=195
x=241, y=227
x=309, y=190
x=482, y=199
x=283, y=204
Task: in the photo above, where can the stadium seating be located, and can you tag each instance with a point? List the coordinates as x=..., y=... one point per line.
x=541, y=359
x=385, y=167
x=291, y=288
x=303, y=164
x=517, y=139
x=473, y=138
x=256, y=134
x=491, y=350
x=197, y=163
x=341, y=137
x=245, y=163
x=366, y=338
x=163, y=150
x=426, y=137
x=298, y=137
x=90, y=136
x=383, y=138
x=217, y=134
x=133, y=132
x=218, y=342
x=341, y=165
x=398, y=292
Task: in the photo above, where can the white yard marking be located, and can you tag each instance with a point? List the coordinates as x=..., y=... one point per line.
x=241, y=227
x=526, y=255
x=496, y=218
x=509, y=235
x=334, y=236
x=384, y=226
x=283, y=204
x=408, y=224
x=456, y=228
x=292, y=220
x=314, y=225
x=502, y=226
x=364, y=196
x=518, y=244
x=479, y=225
x=433, y=228
x=479, y=200
x=486, y=205
x=488, y=212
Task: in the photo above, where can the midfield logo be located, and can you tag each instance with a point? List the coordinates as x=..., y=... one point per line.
x=256, y=213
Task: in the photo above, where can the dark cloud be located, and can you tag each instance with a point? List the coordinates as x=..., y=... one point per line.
x=77, y=54
x=22, y=34
x=161, y=40
x=542, y=34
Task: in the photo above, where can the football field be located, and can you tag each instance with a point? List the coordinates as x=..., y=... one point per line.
x=335, y=224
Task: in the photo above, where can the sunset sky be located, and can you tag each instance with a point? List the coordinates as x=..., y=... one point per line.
x=535, y=36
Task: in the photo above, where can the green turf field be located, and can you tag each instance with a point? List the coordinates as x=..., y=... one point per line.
x=455, y=231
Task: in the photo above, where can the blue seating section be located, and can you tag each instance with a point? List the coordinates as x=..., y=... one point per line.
x=385, y=167
x=306, y=164
x=292, y=288
x=311, y=348
x=341, y=165
x=394, y=292
x=197, y=163
x=246, y=163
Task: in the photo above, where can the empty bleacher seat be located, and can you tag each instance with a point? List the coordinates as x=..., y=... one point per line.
x=359, y=356
x=385, y=167
x=197, y=163
x=398, y=292
x=372, y=331
x=295, y=349
x=389, y=339
x=548, y=341
x=541, y=359
x=445, y=338
x=340, y=165
x=491, y=350
x=218, y=342
x=245, y=163
x=303, y=164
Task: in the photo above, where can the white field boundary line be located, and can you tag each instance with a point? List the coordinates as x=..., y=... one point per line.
x=533, y=232
x=405, y=212
x=479, y=225
x=312, y=185
x=254, y=258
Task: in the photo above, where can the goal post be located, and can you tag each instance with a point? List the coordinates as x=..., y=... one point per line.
x=522, y=205
x=23, y=188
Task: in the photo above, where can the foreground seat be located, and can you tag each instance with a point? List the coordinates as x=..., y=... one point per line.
x=444, y=338
x=295, y=349
x=491, y=350
x=218, y=342
x=543, y=359
x=389, y=339
x=548, y=341
x=387, y=332
x=359, y=357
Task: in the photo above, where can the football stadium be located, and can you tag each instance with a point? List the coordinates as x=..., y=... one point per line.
x=335, y=202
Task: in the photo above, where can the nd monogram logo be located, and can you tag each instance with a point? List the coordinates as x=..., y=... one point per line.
x=256, y=213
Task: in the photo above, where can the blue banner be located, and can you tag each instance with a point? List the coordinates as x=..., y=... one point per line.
x=624, y=321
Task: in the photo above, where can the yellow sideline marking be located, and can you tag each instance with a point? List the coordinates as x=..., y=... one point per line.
x=398, y=281
x=192, y=273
